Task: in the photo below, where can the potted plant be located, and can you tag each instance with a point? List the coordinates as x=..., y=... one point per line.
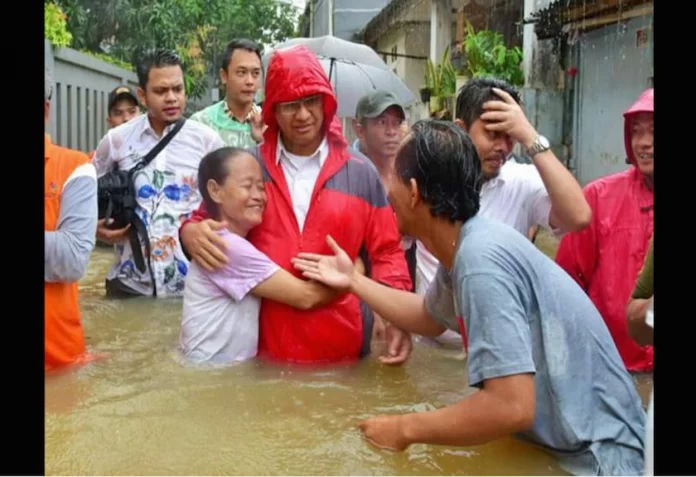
x=441, y=81
x=424, y=94
x=487, y=55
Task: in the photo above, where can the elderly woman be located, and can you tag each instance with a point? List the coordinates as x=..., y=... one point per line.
x=546, y=367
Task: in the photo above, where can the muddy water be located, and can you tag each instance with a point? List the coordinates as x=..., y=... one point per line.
x=137, y=412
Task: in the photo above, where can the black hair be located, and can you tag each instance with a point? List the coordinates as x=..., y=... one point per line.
x=214, y=166
x=442, y=159
x=239, y=44
x=156, y=58
x=478, y=91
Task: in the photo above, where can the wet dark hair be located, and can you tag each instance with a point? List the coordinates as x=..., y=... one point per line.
x=478, y=91
x=156, y=58
x=239, y=44
x=214, y=166
x=442, y=158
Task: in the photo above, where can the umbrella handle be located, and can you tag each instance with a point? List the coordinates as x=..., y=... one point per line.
x=331, y=67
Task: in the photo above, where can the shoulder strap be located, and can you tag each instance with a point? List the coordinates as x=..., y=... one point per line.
x=162, y=143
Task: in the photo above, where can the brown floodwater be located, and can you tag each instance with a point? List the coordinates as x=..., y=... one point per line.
x=137, y=411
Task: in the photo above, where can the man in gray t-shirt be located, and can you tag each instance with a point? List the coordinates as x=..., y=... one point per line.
x=524, y=314
x=545, y=364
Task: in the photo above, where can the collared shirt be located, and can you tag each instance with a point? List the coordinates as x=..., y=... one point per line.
x=166, y=194
x=233, y=132
x=516, y=197
x=301, y=174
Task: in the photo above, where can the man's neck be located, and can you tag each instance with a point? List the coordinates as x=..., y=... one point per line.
x=239, y=111
x=440, y=239
x=385, y=166
x=157, y=125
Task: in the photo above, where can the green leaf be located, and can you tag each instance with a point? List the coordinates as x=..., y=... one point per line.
x=157, y=180
x=164, y=216
x=169, y=272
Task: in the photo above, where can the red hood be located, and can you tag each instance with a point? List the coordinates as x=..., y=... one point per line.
x=644, y=104
x=294, y=73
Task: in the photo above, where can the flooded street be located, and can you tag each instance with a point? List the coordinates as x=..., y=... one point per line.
x=136, y=411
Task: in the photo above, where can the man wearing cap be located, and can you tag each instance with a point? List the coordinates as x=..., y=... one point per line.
x=379, y=124
x=122, y=106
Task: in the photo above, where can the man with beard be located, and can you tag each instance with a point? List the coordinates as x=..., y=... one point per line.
x=165, y=189
x=544, y=193
x=606, y=257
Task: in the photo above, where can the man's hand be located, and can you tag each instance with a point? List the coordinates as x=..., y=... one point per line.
x=257, y=126
x=385, y=432
x=399, y=346
x=204, y=245
x=111, y=236
x=507, y=117
x=333, y=271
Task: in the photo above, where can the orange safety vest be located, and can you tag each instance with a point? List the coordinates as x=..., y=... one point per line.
x=64, y=338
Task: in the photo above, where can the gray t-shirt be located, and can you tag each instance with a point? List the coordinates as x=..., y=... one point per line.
x=523, y=314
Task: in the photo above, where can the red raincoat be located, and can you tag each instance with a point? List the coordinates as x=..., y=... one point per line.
x=348, y=202
x=606, y=257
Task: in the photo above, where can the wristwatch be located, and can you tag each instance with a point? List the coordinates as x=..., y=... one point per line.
x=539, y=145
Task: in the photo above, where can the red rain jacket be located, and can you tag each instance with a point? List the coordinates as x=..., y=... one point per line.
x=348, y=202
x=606, y=257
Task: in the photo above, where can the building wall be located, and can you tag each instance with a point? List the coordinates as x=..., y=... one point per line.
x=410, y=39
x=81, y=85
x=350, y=16
x=612, y=72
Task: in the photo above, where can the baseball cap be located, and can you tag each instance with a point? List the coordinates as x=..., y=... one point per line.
x=120, y=93
x=375, y=103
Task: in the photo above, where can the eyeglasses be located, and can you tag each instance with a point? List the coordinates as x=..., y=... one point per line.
x=291, y=108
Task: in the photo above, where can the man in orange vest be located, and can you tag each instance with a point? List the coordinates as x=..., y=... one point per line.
x=70, y=225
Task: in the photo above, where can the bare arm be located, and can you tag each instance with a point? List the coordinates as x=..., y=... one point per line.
x=283, y=287
x=570, y=212
x=403, y=309
x=503, y=407
x=569, y=209
x=638, y=329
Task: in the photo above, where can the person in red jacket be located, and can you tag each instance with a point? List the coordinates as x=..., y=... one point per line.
x=607, y=256
x=315, y=187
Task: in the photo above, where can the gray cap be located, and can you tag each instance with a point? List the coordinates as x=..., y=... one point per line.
x=375, y=103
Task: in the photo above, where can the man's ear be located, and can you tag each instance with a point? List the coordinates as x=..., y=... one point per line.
x=358, y=129
x=141, y=96
x=223, y=76
x=461, y=124
x=415, y=193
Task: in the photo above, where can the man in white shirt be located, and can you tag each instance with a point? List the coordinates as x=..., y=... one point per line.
x=544, y=193
x=165, y=189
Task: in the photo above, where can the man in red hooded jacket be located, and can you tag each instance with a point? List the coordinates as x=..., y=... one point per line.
x=606, y=257
x=315, y=188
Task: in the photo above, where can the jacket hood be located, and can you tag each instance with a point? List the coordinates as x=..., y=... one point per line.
x=644, y=104
x=295, y=73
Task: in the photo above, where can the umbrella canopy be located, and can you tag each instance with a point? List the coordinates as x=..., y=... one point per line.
x=353, y=69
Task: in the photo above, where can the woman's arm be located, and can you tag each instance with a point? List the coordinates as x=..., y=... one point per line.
x=283, y=287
